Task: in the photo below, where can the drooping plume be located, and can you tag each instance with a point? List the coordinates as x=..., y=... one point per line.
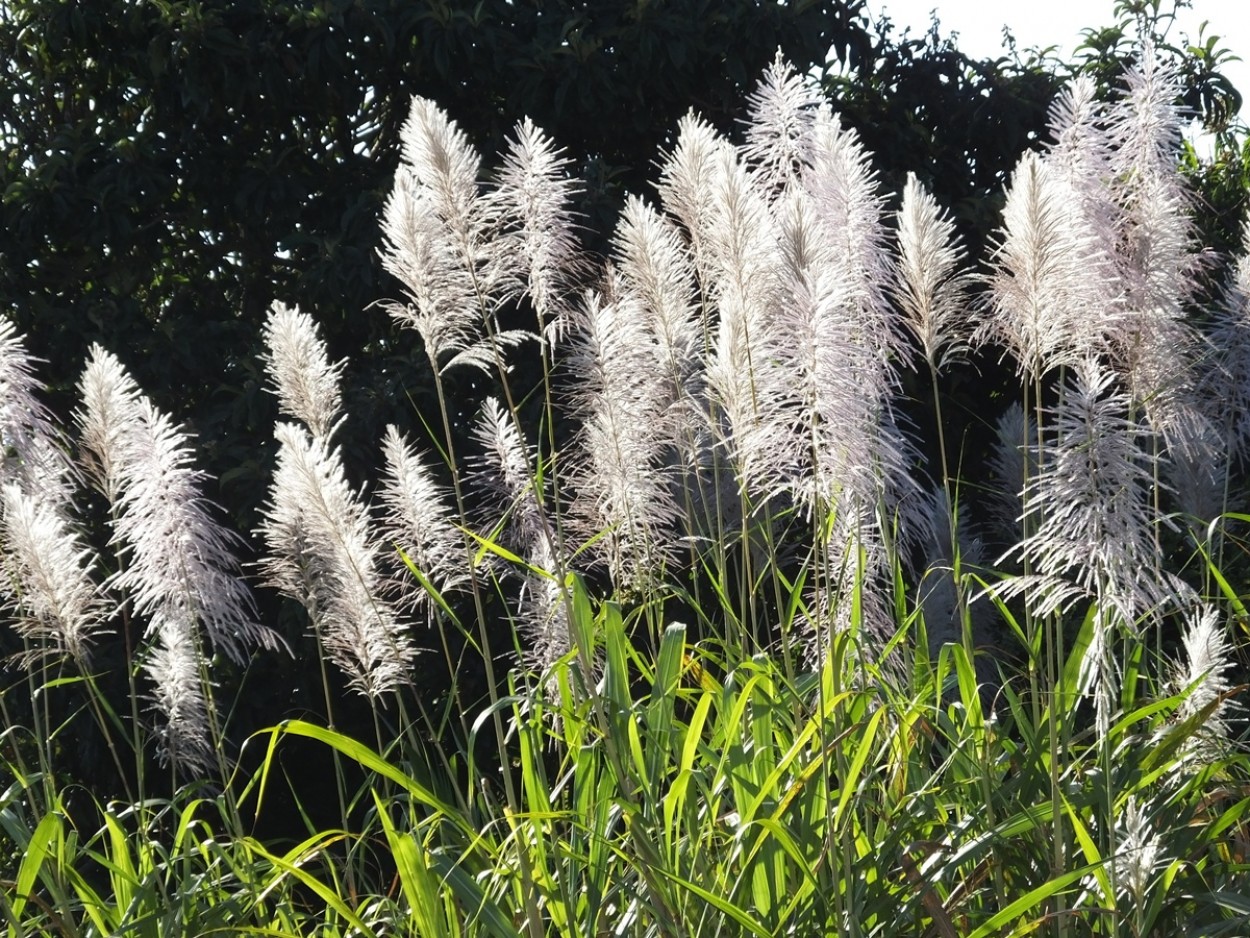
x=1095, y=528
x=178, y=568
x=322, y=553
x=178, y=561
x=506, y=476
x=418, y=521
x=33, y=450
x=625, y=495
x=48, y=578
x=1093, y=525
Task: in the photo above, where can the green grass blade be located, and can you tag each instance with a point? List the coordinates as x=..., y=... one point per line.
x=850, y=782
x=419, y=886
x=663, y=700
x=289, y=865
x=369, y=759
x=473, y=898
x=34, y=854
x=993, y=927
x=723, y=905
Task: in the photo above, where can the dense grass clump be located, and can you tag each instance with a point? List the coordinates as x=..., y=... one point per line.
x=758, y=654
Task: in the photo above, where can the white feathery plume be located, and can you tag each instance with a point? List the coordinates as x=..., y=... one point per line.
x=835, y=344
x=298, y=365
x=443, y=162
x=175, y=666
x=1150, y=342
x=862, y=470
x=805, y=251
x=1203, y=676
x=1080, y=159
x=654, y=266
x=110, y=410
x=179, y=564
x=31, y=447
x=836, y=338
x=1012, y=464
x=930, y=290
x=1119, y=164
x=321, y=553
x=656, y=270
x=843, y=188
x=47, y=577
x=1045, y=307
x=834, y=386
x=814, y=336
x=506, y=473
x=1095, y=525
x=742, y=373
x=689, y=177
x=442, y=305
x=442, y=244
x=1153, y=112
x=624, y=490
x=779, y=125
x=1138, y=857
x=532, y=198
x=418, y=521
x=1226, y=382
x=1140, y=854
x=1080, y=148
x=179, y=570
x=179, y=561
